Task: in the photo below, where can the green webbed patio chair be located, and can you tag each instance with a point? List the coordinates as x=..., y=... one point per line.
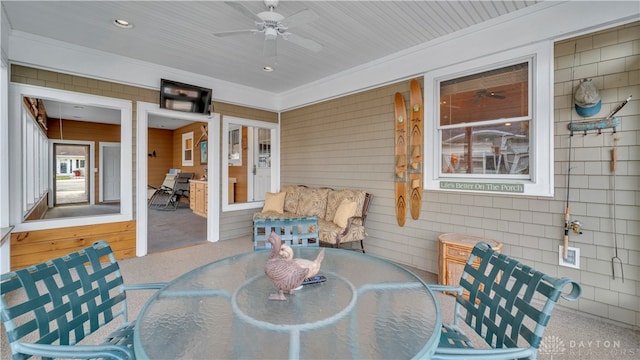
x=505, y=302
x=48, y=308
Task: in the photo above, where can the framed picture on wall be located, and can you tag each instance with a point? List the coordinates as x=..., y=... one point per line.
x=203, y=152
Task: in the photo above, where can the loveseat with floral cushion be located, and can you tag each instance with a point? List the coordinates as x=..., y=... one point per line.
x=341, y=213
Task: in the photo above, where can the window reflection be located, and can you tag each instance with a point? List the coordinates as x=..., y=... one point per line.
x=493, y=149
x=484, y=122
x=235, y=145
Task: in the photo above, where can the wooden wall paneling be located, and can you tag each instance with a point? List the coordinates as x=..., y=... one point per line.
x=160, y=140
x=197, y=168
x=32, y=247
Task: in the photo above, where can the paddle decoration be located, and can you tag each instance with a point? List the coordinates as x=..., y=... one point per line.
x=400, y=173
x=415, y=144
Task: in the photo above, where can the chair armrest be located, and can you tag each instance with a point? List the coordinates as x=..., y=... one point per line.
x=445, y=288
x=346, y=229
x=450, y=289
x=145, y=286
x=575, y=292
x=76, y=351
x=483, y=354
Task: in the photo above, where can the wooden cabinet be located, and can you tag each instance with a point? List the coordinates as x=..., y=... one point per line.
x=453, y=252
x=198, y=195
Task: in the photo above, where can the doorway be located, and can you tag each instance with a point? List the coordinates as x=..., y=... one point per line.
x=147, y=115
x=72, y=182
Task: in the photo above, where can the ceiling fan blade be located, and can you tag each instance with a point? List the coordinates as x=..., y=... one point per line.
x=300, y=18
x=243, y=10
x=498, y=96
x=235, y=32
x=269, y=49
x=304, y=42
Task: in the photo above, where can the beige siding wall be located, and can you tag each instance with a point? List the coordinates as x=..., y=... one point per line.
x=348, y=143
x=612, y=59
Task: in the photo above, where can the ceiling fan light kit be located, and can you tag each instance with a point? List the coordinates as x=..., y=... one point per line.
x=270, y=33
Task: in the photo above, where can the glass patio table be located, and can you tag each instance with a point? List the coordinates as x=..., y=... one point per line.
x=367, y=308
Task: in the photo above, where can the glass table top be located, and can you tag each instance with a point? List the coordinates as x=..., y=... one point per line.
x=367, y=308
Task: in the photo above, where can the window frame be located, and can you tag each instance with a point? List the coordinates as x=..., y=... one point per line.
x=18, y=161
x=235, y=139
x=228, y=122
x=187, y=148
x=539, y=182
x=478, y=125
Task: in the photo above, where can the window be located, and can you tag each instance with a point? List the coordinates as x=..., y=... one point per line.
x=255, y=171
x=484, y=122
x=187, y=149
x=235, y=145
x=34, y=163
x=33, y=157
x=491, y=124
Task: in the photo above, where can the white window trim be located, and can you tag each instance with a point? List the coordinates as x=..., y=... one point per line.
x=541, y=127
x=186, y=137
x=16, y=91
x=227, y=123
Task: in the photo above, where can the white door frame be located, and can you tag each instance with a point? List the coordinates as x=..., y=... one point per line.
x=213, y=219
x=88, y=177
x=104, y=144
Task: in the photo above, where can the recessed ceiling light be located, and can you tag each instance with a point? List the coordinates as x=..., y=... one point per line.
x=267, y=69
x=123, y=24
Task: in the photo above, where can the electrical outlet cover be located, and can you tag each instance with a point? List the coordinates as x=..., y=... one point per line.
x=573, y=257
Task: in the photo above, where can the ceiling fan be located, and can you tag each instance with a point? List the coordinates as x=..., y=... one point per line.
x=272, y=25
x=487, y=93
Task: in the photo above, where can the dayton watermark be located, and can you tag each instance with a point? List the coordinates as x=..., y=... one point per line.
x=554, y=347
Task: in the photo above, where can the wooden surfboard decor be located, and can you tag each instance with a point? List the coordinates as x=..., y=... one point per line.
x=400, y=174
x=415, y=148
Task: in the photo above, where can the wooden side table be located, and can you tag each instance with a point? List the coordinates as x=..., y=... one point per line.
x=453, y=252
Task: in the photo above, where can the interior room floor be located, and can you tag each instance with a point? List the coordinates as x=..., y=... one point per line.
x=172, y=229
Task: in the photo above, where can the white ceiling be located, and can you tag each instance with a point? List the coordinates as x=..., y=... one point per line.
x=75, y=112
x=180, y=34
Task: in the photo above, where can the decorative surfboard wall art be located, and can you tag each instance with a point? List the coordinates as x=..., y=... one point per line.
x=400, y=175
x=415, y=147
